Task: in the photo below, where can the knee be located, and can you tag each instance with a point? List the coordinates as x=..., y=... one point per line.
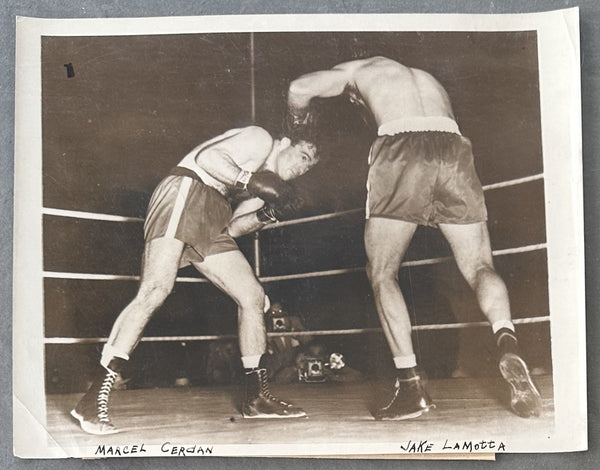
x=151, y=297
x=252, y=299
x=380, y=275
x=477, y=275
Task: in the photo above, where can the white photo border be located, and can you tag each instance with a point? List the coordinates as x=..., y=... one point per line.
x=560, y=101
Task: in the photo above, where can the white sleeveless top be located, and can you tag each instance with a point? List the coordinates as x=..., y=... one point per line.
x=189, y=162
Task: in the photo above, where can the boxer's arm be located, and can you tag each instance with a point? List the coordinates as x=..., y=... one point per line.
x=264, y=214
x=322, y=84
x=247, y=206
x=219, y=164
x=223, y=159
x=244, y=219
x=228, y=160
x=244, y=224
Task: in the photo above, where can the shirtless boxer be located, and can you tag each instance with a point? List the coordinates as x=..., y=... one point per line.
x=190, y=221
x=421, y=172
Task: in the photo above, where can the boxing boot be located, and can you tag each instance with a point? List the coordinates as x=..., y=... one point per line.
x=92, y=409
x=408, y=401
x=525, y=400
x=259, y=403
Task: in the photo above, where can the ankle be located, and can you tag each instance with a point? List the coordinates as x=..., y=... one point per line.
x=407, y=373
x=116, y=365
x=506, y=342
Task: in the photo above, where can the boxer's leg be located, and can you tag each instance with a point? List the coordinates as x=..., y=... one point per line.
x=386, y=241
x=470, y=244
x=231, y=273
x=159, y=270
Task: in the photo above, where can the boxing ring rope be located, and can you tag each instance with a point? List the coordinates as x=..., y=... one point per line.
x=354, y=331
x=118, y=218
x=89, y=215
x=285, y=277
x=333, y=272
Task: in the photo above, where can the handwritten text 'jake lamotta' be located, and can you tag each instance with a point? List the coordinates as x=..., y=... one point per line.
x=410, y=447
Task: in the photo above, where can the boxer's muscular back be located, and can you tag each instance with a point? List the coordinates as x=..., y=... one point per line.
x=393, y=91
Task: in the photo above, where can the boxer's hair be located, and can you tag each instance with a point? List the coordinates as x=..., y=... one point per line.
x=308, y=132
x=299, y=137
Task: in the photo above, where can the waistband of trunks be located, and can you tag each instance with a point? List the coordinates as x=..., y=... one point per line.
x=181, y=171
x=419, y=124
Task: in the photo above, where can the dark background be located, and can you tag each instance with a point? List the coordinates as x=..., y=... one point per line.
x=590, y=39
x=136, y=105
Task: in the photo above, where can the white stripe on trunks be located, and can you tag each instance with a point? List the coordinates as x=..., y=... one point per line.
x=367, y=213
x=178, y=207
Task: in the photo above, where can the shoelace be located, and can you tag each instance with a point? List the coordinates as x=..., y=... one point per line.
x=103, y=396
x=264, y=387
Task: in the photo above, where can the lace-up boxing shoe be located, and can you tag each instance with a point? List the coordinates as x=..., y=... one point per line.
x=92, y=409
x=259, y=403
x=408, y=401
x=525, y=400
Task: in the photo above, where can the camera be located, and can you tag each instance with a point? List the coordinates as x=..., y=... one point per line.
x=280, y=324
x=313, y=369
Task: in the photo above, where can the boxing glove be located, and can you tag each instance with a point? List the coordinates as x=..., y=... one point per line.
x=300, y=126
x=281, y=211
x=267, y=186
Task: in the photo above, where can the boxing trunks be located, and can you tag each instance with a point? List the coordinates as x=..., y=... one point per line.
x=183, y=207
x=421, y=171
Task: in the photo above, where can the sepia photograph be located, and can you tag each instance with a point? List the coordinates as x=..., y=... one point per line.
x=307, y=235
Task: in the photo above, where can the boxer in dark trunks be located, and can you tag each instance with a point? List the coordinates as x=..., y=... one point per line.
x=420, y=173
x=190, y=221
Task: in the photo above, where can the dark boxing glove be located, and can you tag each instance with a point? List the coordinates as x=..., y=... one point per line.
x=267, y=186
x=279, y=212
x=297, y=119
x=300, y=125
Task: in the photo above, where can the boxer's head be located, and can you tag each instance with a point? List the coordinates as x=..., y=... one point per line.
x=294, y=158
